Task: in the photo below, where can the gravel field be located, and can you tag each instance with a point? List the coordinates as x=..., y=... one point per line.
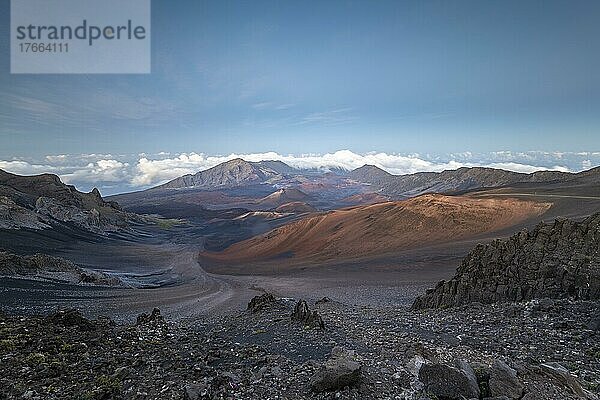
x=263, y=354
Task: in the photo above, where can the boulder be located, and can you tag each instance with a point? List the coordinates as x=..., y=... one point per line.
x=449, y=382
x=466, y=369
x=504, y=381
x=339, y=371
x=563, y=377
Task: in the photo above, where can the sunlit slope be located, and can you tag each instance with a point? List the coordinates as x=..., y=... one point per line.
x=383, y=228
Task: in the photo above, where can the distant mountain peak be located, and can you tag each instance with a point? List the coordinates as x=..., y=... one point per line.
x=369, y=174
x=371, y=168
x=235, y=172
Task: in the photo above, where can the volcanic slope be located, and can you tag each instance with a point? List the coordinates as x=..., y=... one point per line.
x=284, y=196
x=382, y=228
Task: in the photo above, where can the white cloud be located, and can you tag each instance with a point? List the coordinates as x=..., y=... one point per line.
x=129, y=172
x=524, y=168
x=99, y=171
x=149, y=172
x=25, y=168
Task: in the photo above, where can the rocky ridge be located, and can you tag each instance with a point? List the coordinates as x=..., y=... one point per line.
x=461, y=179
x=42, y=201
x=554, y=260
x=41, y=266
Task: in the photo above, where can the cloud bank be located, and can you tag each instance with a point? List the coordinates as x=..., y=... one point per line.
x=120, y=173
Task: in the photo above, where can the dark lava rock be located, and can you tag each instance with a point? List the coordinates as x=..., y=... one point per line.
x=564, y=377
x=194, y=391
x=482, y=374
x=543, y=305
x=594, y=323
x=504, y=381
x=470, y=373
x=323, y=300
x=155, y=317
x=339, y=371
x=558, y=260
x=303, y=314
x=260, y=302
x=70, y=317
x=449, y=382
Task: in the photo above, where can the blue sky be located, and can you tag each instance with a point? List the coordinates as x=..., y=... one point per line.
x=316, y=77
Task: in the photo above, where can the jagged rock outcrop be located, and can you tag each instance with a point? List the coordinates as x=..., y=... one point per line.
x=555, y=260
x=13, y=216
x=42, y=266
x=89, y=220
x=303, y=315
x=43, y=201
x=260, y=302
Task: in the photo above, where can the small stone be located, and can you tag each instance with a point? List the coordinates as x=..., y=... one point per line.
x=414, y=364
